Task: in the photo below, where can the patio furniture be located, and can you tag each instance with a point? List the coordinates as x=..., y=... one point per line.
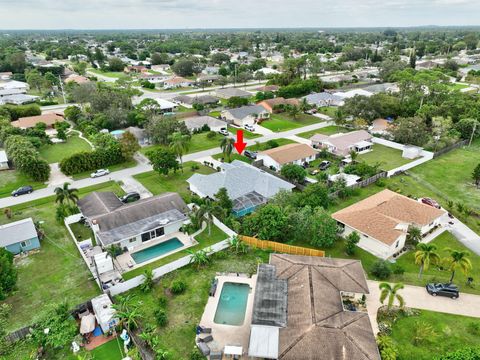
x=203, y=330
x=206, y=339
x=216, y=355
x=203, y=348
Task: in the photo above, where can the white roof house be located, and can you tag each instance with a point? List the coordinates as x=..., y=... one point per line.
x=197, y=122
x=104, y=312
x=350, y=179
x=165, y=104
x=353, y=93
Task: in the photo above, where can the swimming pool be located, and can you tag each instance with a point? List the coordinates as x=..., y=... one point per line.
x=156, y=250
x=232, y=304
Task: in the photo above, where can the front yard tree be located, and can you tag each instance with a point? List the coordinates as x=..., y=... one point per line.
x=414, y=235
x=391, y=292
x=128, y=145
x=294, y=111
x=351, y=243
x=476, y=175
x=294, y=173
x=65, y=195
x=163, y=160
x=179, y=143
x=227, y=147
x=424, y=256
x=115, y=64
x=458, y=259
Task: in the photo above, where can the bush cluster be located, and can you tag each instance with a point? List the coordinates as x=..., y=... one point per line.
x=91, y=160
x=25, y=157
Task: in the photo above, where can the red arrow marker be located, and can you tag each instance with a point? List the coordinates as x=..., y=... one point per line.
x=239, y=144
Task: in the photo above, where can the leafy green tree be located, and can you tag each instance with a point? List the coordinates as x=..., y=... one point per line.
x=185, y=67
x=269, y=223
x=180, y=143
x=115, y=64
x=223, y=200
x=381, y=269
x=391, y=292
x=458, y=259
x=163, y=160
x=35, y=79
x=199, y=258
x=351, y=243
x=294, y=111
x=476, y=175
x=466, y=128
x=8, y=273
x=160, y=129
x=324, y=229
x=315, y=195
x=414, y=235
x=207, y=211
x=236, y=101
x=424, y=256
x=66, y=195
x=226, y=145
x=412, y=131
x=294, y=173
x=128, y=145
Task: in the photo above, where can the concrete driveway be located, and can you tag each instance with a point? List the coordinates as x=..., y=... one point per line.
x=418, y=298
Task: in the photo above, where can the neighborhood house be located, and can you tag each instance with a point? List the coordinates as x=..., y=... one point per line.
x=246, y=185
x=19, y=236
x=298, y=154
x=198, y=122
x=342, y=144
x=227, y=93
x=382, y=221
x=49, y=119
x=271, y=104
x=245, y=115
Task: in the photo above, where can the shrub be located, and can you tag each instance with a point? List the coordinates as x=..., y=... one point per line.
x=380, y=182
x=91, y=160
x=381, y=269
x=474, y=328
x=162, y=302
x=25, y=157
x=196, y=354
x=194, y=167
x=161, y=317
x=178, y=287
x=468, y=353
x=398, y=269
x=388, y=350
x=211, y=135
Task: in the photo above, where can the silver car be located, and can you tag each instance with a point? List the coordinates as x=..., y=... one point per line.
x=99, y=172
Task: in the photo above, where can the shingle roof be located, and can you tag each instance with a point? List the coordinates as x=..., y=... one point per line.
x=239, y=179
x=98, y=203
x=323, y=98
x=30, y=121
x=197, y=122
x=316, y=321
x=289, y=153
x=382, y=215
x=232, y=92
x=202, y=99
x=17, y=231
x=244, y=111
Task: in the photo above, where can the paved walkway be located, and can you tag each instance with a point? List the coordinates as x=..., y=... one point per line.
x=418, y=298
x=143, y=166
x=465, y=235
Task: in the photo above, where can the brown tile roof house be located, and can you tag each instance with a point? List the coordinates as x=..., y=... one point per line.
x=268, y=88
x=79, y=79
x=317, y=325
x=386, y=215
x=30, y=121
x=341, y=144
x=289, y=153
x=271, y=103
x=379, y=126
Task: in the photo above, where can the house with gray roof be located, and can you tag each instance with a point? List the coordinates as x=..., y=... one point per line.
x=188, y=101
x=324, y=99
x=131, y=225
x=198, y=122
x=245, y=115
x=19, y=236
x=246, y=185
x=229, y=92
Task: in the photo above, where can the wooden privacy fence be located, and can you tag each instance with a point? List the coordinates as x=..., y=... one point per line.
x=279, y=247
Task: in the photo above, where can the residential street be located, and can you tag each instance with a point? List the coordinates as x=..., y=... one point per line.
x=418, y=298
x=141, y=167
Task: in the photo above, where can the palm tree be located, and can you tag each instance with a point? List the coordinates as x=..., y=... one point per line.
x=207, y=211
x=199, y=258
x=128, y=314
x=458, y=259
x=227, y=147
x=391, y=292
x=414, y=235
x=179, y=143
x=304, y=105
x=353, y=155
x=294, y=111
x=66, y=195
x=147, y=283
x=424, y=256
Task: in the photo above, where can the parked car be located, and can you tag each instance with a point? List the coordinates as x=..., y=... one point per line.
x=130, y=197
x=314, y=172
x=430, y=202
x=99, y=172
x=223, y=131
x=22, y=190
x=448, y=290
x=311, y=111
x=250, y=128
x=324, y=165
x=250, y=154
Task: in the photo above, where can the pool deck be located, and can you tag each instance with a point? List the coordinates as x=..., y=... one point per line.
x=125, y=262
x=229, y=334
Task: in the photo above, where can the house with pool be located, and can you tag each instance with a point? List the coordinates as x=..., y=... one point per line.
x=145, y=230
x=247, y=186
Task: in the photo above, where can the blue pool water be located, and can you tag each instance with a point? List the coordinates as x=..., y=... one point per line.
x=232, y=304
x=157, y=250
x=117, y=132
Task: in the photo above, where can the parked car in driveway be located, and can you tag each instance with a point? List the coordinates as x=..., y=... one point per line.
x=430, y=202
x=22, y=190
x=250, y=128
x=447, y=290
x=130, y=197
x=324, y=165
x=223, y=131
x=99, y=172
x=250, y=154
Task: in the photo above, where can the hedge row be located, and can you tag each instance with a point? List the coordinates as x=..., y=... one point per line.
x=91, y=160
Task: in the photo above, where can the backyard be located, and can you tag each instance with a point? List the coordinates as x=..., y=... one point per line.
x=448, y=333
x=11, y=180
x=57, y=152
x=283, y=122
x=328, y=130
x=387, y=157
x=176, y=182
x=184, y=311
x=57, y=271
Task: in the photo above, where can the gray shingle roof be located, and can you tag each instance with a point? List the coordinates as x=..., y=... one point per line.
x=198, y=121
x=231, y=92
x=323, y=99
x=99, y=203
x=244, y=111
x=17, y=231
x=239, y=179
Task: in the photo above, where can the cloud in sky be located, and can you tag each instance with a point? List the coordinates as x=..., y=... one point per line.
x=169, y=14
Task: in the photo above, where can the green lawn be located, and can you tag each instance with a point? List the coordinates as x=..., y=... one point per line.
x=82, y=232
x=388, y=157
x=57, y=271
x=12, y=179
x=116, y=167
x=204, y=239
x=456, y=86
x=284, y=122
x=328, y=110
x=112, y=350
x=185, y=311
x=176, y=182
x=111, y=74
x=451, y=332
x=246, y=134
x=57, y=152
x=328, y=130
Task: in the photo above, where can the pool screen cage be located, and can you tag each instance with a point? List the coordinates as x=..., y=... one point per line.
x=247, y=203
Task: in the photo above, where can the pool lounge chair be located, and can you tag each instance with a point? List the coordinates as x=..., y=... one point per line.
x=206, y=339
x=216, y=355
x=204, y=348
x=203, y=330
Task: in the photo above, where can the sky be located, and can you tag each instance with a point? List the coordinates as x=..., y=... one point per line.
x=189, y=14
